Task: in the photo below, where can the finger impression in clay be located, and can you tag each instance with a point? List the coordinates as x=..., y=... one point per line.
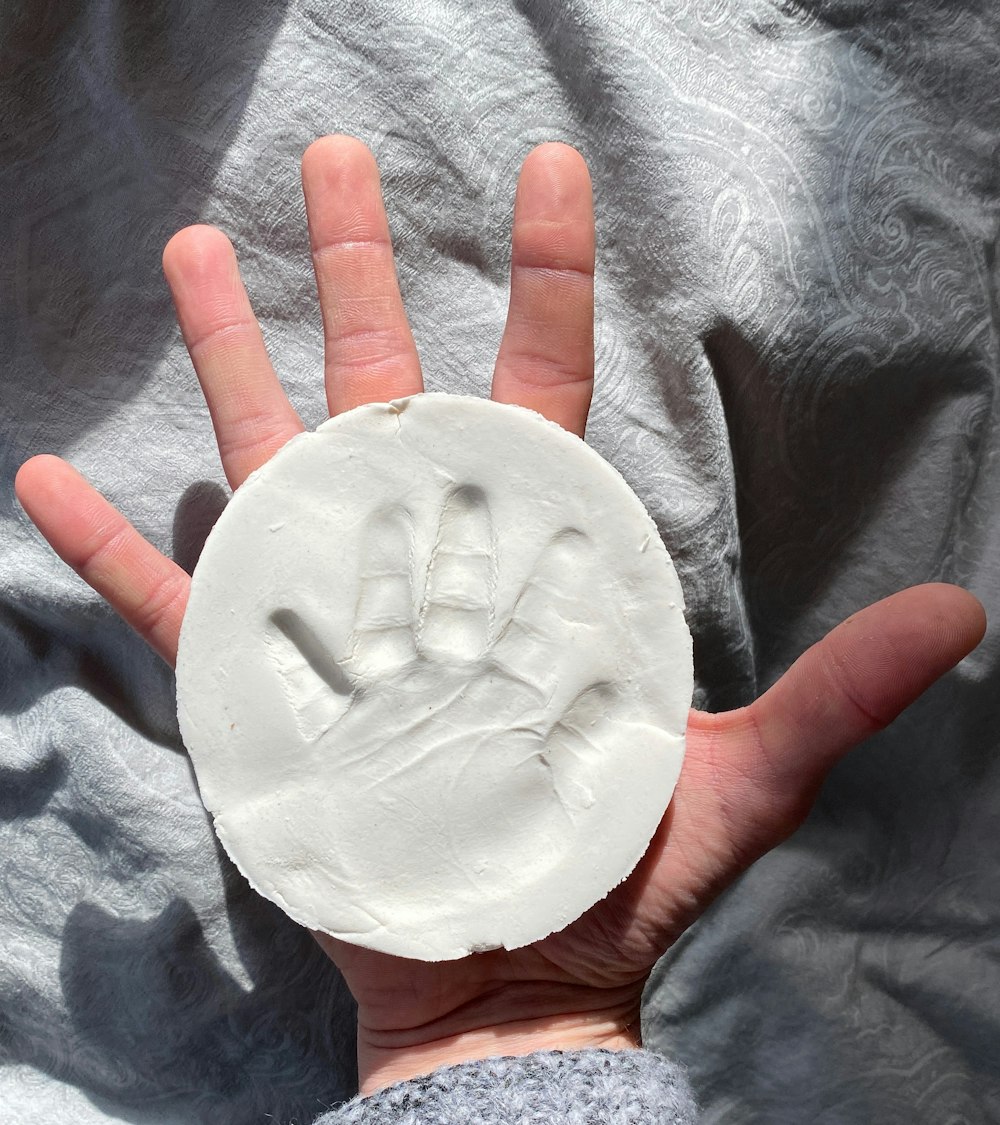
x=434, y=677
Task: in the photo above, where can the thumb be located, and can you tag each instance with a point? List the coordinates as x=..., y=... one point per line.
x=751, y=775
x=857, y=679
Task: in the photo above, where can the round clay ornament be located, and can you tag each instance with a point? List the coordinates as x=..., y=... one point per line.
x=434, y=677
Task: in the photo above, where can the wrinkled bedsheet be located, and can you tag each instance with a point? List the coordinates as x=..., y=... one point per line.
x=797, y=371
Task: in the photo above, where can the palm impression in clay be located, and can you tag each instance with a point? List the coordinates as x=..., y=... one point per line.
x=434, y=677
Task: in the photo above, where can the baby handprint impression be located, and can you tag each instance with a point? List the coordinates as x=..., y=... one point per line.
x=434, y=700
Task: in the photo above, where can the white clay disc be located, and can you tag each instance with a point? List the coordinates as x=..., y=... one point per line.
x=434, y=676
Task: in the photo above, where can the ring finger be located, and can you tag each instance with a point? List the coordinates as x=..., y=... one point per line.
x=252, y=416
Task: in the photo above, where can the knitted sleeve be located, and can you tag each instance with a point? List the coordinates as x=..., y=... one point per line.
x=591, y=1087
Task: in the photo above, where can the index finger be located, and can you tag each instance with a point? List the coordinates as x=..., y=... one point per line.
x=546, y=359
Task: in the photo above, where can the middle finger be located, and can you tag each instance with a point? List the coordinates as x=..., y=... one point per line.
x=370, y=353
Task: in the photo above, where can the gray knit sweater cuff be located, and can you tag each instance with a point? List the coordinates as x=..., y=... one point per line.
x=593, y=1087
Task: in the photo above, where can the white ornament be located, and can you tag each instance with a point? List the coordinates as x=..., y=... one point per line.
x=434, y=677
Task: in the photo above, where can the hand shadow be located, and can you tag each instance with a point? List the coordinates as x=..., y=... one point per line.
x=165, y=1032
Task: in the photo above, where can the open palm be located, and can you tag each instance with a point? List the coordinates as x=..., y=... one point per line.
x=749, y=776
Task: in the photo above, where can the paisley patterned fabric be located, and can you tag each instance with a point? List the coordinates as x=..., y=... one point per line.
x=797, y=372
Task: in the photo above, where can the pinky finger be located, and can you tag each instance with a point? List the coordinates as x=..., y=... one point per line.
x=148, y=590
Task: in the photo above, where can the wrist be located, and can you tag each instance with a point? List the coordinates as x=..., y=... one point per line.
x=382, y=1064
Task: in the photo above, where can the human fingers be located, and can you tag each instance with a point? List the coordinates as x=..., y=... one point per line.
x=773, y=756
x=750, y=776
x=370, y=353
x=546, y=358
x=252, y=416
x=146, y=588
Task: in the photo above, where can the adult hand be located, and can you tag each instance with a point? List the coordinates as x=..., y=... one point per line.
x=749, y=776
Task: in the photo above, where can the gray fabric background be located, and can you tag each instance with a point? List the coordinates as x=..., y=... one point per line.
x=797, y=371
